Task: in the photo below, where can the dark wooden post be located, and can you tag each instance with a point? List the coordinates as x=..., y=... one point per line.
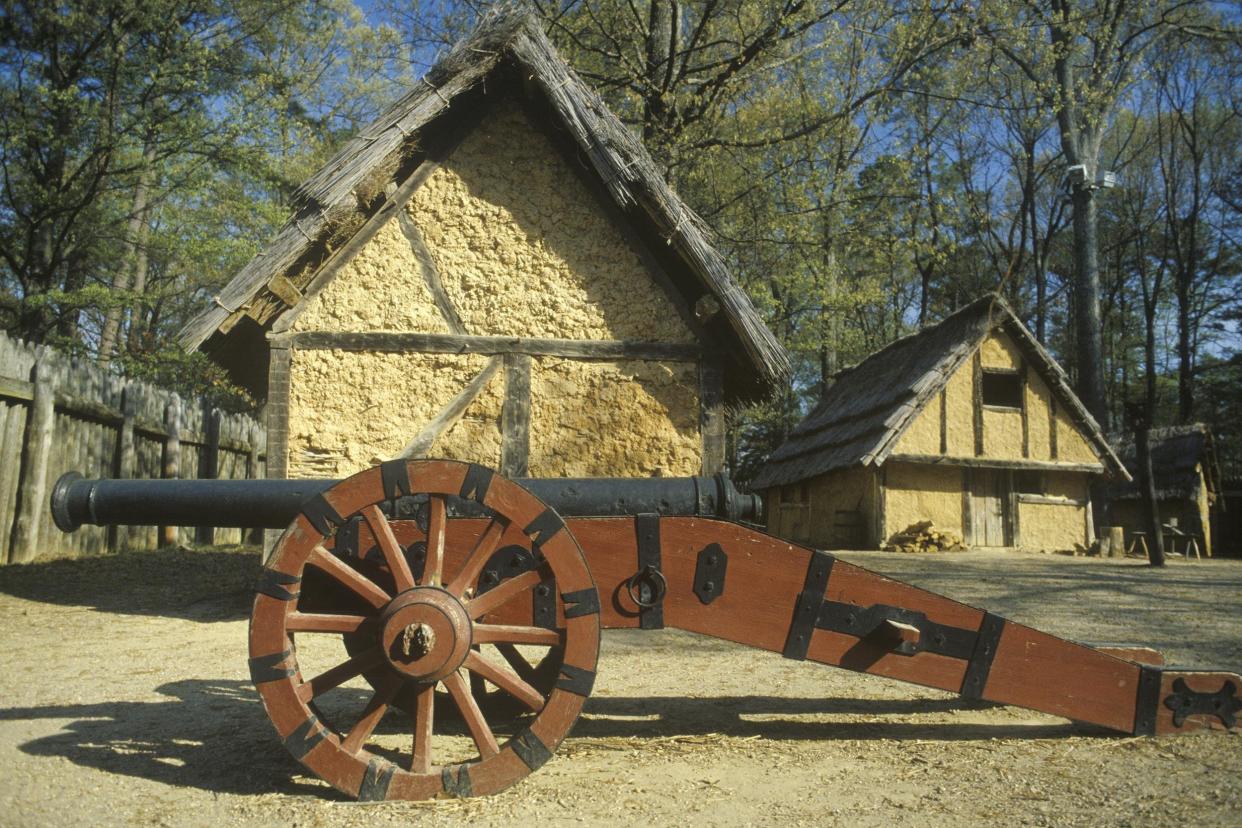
x=172, y=459
x=1136, y=413
x=209, y=466
x=126, y=458
x=515, y=417
x=977, y=402
x=712, y=424
x=254, y=536
x=37, y=450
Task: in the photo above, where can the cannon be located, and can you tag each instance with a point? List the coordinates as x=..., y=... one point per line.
x=468, y=607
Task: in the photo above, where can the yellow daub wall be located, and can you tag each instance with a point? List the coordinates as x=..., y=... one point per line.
x=1050, y=527
x=348, y=411
x=522, y=248
x=832, y=511
x=627, y=418
x=1002, y=429
x=380, y=289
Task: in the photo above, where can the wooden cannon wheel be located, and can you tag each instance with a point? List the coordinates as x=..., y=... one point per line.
x=424, y=634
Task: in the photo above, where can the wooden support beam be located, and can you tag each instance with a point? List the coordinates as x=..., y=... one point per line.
x=608, y=349
x=431, y=275
x=15, y=389
x=277, y=412
x=1013, y=532
x=711, y=418
x=343, y=254
x=944, y=421
x=515, y=417
x=1026, y=414
x=1052, y=427
x=996, y=463
x=448, y=416
x=968, y=513
x=881, y=505
x=976, y=405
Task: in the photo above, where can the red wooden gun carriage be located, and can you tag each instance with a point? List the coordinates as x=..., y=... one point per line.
x=452, y=587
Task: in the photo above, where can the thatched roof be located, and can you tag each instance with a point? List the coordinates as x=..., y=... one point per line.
x=1183, y=460
x=335, y=201
x=870, y=405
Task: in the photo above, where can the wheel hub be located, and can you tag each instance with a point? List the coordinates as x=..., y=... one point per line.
x=425, y=633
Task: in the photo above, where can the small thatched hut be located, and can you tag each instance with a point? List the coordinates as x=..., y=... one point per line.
x=1188, y=484
x=969, y=424
x=495, y=270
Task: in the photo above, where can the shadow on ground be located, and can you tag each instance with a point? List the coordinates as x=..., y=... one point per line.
x=200, y=585
x=214, y=735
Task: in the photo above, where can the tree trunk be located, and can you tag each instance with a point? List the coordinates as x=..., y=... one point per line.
x=828, y=355
x=1147, y=486
x=661, y=29
x=135, y=241
x=139, y=287
x=1088, y=338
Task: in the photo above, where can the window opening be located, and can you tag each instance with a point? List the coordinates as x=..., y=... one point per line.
x=1002, y=389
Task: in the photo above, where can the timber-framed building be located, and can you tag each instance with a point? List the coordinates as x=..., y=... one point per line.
x=1187, y=481
x=969, y=424
x=495, y=270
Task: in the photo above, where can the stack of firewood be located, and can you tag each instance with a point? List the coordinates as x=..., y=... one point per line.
x=925, y=537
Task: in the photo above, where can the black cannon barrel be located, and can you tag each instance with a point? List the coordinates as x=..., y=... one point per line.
x=273, y=504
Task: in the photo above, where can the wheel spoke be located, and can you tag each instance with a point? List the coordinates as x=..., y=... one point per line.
x=424, y=711
x=513, y=634
x=518, y=662
x=397, y=564
x=478, y=556
x=437, y=517
x=340, y=674
x=358, y=583
x=502, y=678
x=371, y=715
x=479, y=730
x=322, y=622
x=504, y=591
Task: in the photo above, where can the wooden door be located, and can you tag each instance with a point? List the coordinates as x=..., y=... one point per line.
x=989, y=505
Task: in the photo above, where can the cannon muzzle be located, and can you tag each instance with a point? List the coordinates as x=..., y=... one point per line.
x=273, y=504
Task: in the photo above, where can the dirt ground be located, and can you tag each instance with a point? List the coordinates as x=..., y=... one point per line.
x=124, y=700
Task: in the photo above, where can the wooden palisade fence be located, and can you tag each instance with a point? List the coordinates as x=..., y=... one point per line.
x=59, y=414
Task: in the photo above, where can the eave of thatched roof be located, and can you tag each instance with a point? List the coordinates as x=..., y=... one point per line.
x=1183, y=461
x=336, y=200
x=869, y=406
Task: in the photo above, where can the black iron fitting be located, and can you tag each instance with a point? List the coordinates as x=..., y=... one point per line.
x=975, y=681
x=807, y=605
x=709, y=573
x=870, y=623
x=1223, y=703
x=647, y=586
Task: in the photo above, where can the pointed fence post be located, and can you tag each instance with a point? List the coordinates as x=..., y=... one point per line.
x=172, y=458
x=37, y=450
